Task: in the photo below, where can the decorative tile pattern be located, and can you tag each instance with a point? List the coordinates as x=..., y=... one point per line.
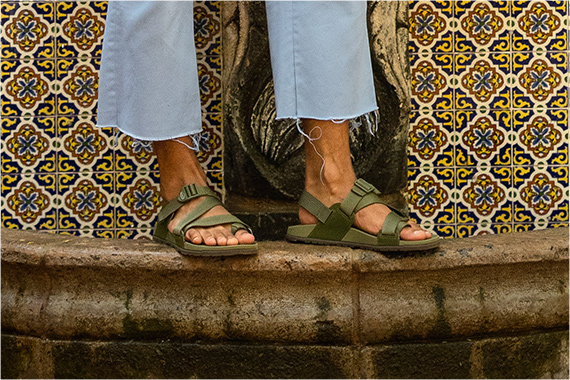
x=488, y=139
x=504, y=130
x=81, y=26
x=27, y=88
x=27, y=30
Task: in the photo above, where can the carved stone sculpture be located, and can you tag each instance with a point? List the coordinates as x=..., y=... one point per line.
x=264, y=157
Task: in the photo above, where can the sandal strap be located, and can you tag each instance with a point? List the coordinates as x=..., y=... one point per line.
x=206, y=205
x=216, y=220
x=391, y=228
x=187, y=193
x=314, y=206
x=361, y=195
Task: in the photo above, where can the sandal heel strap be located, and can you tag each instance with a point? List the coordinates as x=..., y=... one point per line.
x=314, y=206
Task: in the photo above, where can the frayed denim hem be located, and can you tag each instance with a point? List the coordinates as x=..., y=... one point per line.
x=198, y=138
x=356, y=121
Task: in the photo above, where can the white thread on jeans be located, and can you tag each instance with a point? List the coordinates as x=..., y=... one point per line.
x=196, y=139
x=311, y=139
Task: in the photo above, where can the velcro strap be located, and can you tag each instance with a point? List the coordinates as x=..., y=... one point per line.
x=207, y=204
x=187, y=193
x=314, y=206
x=361, y=195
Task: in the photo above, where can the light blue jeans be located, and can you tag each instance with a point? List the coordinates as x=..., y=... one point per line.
x=149, y=87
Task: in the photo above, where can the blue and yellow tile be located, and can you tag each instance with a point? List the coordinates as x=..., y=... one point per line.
x=541, y=194
x=482, y=81
x=78, y=81
x=29, y=201
x=207, y=27
x=27, y=30
x=540, y=25
x=210, y=82
x=431, y=195
x=431, y=27
x=134, y=155
x=28, y=145
x=28, y=88
x=141, y=234
x=468, y=230
x=210, y=154
x=482, y=26
x=540, y=80
x=137, y=199
x=215, y=181
x=484, y=138
x=86, y=201
x=81, y=25
x=431, y=139
x=483, y=195
x=431, y=82
x=540, y=136
x=88, y=232
x=83, y=147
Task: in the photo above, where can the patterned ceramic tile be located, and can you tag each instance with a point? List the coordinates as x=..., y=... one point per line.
x=210, y=81
x=431, y=195
x=431, y=82
x=29, y=201
x=210, y=155
x=216, y=182
x=27, y=30
x=540, y=137
x=541, y=194
x=540, y=25
x=81, y=25
x=86, y=201
x=143, y=234
x=104, y=234
x=467, y=230
x=137, y=199
x=207, y=27
x=134, y=155
x=447, y=231
x=483, y=195
x=483, y=138
x=431, y=139
x=541, y=80
x=483, y=81
x=482, y=26
x=82, y=146
x=28, y=88
x=430, y=27
x=78, y=81
x=28, y=145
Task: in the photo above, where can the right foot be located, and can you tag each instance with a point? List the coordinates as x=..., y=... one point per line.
x=216, y=235
x=173, y=176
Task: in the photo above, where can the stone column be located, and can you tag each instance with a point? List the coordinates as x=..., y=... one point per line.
x=264, y=157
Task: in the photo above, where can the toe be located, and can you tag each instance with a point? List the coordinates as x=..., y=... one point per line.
x=207, y=236
x=220, y=235
x=244, y=237
x=194, y=236
x=232, y=240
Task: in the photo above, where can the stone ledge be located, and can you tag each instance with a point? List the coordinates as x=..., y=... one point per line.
x=63, y=287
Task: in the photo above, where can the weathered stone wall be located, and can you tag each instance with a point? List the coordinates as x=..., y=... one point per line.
x=491, y=306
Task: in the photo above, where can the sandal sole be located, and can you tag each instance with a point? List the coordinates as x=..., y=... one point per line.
x=400, y=248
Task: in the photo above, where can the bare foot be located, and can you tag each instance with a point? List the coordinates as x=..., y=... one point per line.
x=173, y=176
x=331, y=181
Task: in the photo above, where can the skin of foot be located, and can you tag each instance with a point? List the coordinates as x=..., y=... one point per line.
x=173, y=176
x=331, y=183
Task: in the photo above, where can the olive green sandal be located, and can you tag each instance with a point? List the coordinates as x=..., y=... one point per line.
x=177, y=238
x=335, y=224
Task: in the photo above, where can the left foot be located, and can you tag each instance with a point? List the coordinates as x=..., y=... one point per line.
x=330, y=183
